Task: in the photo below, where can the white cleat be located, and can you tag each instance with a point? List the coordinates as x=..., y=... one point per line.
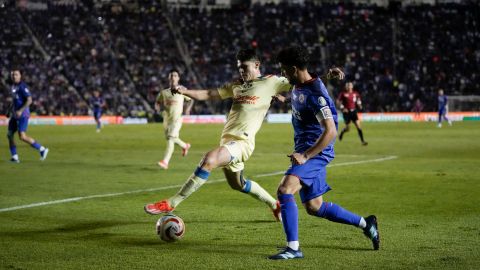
x=43, y=154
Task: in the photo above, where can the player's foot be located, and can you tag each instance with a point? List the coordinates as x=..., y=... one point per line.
x=371, y=231
x=277, y=212
x=98, y=130
x=14, y=160
x=341, y=136
x=158, y=208
x=439, y=125
x=286, y=254
x=449, y=122
x=364, y=143
x=163, y=164
x=43, y=154
x=185, y=150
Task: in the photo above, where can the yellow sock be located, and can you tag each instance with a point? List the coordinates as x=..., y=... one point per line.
x=193, y=184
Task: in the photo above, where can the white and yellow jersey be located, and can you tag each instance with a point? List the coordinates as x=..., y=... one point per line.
x=172, y=104
x=251, y=101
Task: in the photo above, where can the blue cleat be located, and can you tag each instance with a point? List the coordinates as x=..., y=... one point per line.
x=371, y=231
x=43, y=154
x=286, y=254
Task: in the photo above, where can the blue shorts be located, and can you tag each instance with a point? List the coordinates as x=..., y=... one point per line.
x=312, y=176
x=97, y=114
x=19, y=124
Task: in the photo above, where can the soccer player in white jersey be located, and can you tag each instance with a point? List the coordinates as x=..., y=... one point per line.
x=172, y=106
x=252, y=96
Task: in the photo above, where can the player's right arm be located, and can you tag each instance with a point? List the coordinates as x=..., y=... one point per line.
x=197, y=94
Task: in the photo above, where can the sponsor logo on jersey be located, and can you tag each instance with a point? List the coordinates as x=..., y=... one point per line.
x=245, y=99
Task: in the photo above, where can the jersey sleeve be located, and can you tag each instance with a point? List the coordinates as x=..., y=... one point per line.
x=282, y=84
x=226, y=91
x=159, y=97
x=25, y=91
x=319, y=105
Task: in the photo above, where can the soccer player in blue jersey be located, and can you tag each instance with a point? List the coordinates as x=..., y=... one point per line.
x=97, y=103
x=314, y=120
x=442, y=108
x=20, y=115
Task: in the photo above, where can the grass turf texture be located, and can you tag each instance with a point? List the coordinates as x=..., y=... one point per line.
x=427, y=201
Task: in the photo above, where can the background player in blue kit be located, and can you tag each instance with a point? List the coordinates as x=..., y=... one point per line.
x=314, y=119
x=442, y=108
x=20, y=115
x=97, y=103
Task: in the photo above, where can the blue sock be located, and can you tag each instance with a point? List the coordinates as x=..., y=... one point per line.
x=199, y=172
x=336, y=213
x=289, y=216
x=248, y=185
x=13, y=150
x=99, y=125
x=36, y=145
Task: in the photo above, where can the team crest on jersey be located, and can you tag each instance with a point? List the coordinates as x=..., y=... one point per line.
x=322, y=101
x=301, y=98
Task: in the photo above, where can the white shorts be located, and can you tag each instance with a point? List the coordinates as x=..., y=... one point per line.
x=172, y=130
x=240, y=151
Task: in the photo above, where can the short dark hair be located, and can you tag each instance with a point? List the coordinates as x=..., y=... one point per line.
x=247, y=55
x=16, y=68
x=174, y=70
x=294, y=56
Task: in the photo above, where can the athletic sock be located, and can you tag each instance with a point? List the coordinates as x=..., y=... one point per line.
x=362, y=224
x=194, y=182
x=180, y=143
x=36, y=145
x=15, y=157
x=99, y=125
x=13, y=150
x=289, y=216
x=293, y=245
x=360, y=134
x=168, y=150
x=257, y=192
x=336, y=213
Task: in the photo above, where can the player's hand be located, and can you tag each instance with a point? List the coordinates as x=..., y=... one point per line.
x=335, y=73
x=297, y=158
x=345, y=110
x=278, y=98
x=18, y=114
x=178, y=90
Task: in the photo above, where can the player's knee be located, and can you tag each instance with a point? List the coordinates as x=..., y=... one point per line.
x=311, y=210
x=209, y=161
x=283, y=190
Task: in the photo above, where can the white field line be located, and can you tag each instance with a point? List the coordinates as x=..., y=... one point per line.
x=175, y=186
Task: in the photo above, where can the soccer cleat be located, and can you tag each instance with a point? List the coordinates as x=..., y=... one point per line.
x=287, y=254
x=277, y=212
x=158, y=208
x=341, y=136
x=163, y=164
x=364, y=143
x=14, y=160
x=43, y=154
x=371, y=231
x=185, y=150
x=439, y=125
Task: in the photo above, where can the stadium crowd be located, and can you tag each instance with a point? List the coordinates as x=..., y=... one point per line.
x=394, y=55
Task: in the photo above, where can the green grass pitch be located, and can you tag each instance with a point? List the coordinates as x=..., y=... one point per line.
x=427, y=200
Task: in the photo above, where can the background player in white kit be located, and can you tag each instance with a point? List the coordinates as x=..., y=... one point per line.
x=172, y=106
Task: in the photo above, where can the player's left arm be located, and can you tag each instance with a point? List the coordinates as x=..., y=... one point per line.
x=28, y=102
x=322, y=142
x=189, y=106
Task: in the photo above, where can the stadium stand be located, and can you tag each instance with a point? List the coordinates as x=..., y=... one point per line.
x=394, y=54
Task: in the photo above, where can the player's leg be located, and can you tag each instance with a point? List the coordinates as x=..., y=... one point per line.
x=12, y=128
x=97, y=116
x=22, y=129
x=440, y=117
x=346, y=118
x=360, y=131
x=216, y=158
x=248, y=186
x=168, y=153
x=289, y=185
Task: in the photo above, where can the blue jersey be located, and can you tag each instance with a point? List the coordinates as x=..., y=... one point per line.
x=442, y=102
x=20, y=94
x=96, y=103
x=309, y=100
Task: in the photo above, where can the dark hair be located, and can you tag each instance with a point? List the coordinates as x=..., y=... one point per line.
x=16, y=68
x=174, y=70
x=247, y=55
x=294, y=56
